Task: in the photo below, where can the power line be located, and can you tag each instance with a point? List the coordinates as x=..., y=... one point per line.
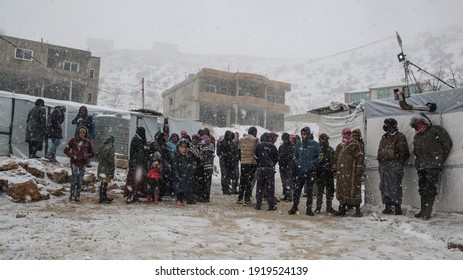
x=284, y=68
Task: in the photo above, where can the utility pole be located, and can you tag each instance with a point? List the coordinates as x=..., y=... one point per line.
x=143, y=93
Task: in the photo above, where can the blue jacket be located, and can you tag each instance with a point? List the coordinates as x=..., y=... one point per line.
x=307, y=154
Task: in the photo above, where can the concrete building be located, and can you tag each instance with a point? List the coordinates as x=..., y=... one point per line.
x=46, y=70
x=383, y=92
x=224, y=99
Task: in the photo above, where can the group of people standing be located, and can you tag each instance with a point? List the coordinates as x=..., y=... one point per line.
x=182, y=166
x=303, y=162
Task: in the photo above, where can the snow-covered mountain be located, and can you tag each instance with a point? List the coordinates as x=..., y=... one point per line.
x=315, y=82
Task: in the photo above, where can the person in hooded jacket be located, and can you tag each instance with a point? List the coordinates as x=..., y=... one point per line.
x=106, y=167
x=207, y=155
x=286, y=166
x=267, y=157
x=167, y=174
x=208, y=133
x=79, y=149
x=138, y=166
x=54, y=130
x=184, y=166
x=36, y=129
x=431, y=146
x=348, y=169
x=324, y=177
x=392, y=154
x=227, y=150
x=306, y=157
x=84, y=119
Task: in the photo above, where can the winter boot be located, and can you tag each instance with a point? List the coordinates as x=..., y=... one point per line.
x=398, y=209
x=330, y=209
x=293, y=210
x=318, y=209
x=309, y=212
x=148, y=199
x=105, y=193
x=102, y=198
x=423, y=205
x=358, y=213
x=428, y=208
x=342, y=210
x=387, y=210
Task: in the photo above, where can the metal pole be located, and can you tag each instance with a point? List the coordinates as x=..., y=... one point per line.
x=143, y=93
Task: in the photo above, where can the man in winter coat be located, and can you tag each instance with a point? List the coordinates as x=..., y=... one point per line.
x=348, y=169
x=106, y=167
x=432, y=145
x=79, y=149
x=392, y=154
x=306, y=156
x=267, y=157
x=84, y=119
x=286, y=166
x=325, y=180
x=54, y=130
x=247, y=148
x=227, y=150
x=36, y=129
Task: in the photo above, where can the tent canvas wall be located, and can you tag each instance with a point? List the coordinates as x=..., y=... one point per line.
x=449, y=114
x=119, y=123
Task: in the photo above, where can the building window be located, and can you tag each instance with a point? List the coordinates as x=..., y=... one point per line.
x=271, y=98
x=359, y=96
x=51, y=63
x=89, y=97
x=71, y=66
x=171, y=101
x=210, y=88
x=384, y=93
x=92, y=73
x=24, y=54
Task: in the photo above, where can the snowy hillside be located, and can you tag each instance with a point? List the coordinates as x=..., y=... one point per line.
x=315, y=81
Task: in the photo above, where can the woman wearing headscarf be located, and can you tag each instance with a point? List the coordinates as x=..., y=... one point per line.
x=79, y=149
x=348, y=169
x=138, y=166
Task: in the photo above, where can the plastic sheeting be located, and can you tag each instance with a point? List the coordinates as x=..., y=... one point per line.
x=15, y=107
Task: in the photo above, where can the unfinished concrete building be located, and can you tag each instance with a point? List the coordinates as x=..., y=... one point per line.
x=46, y=70
x=225, y=99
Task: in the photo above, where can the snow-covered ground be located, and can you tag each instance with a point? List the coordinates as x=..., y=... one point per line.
x=55, y=229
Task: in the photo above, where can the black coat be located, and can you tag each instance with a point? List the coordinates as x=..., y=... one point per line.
x=55, y=120
x=36, y=129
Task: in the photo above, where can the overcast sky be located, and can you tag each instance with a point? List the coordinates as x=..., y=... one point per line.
x=275, y=28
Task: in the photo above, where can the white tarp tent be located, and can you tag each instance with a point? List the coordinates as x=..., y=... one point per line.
x=109, y=121
x=449, y=114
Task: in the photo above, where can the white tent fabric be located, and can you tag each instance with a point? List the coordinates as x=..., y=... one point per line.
x=15, y=107
x=449, y=114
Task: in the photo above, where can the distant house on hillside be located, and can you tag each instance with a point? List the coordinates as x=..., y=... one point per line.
x=384, y=92
x=51, y=71
x=223, y=99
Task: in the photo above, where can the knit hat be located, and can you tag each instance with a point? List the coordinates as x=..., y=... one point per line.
x=392, y=122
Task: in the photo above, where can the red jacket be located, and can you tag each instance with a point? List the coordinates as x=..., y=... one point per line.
x=155, y=171
x=79, y=150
